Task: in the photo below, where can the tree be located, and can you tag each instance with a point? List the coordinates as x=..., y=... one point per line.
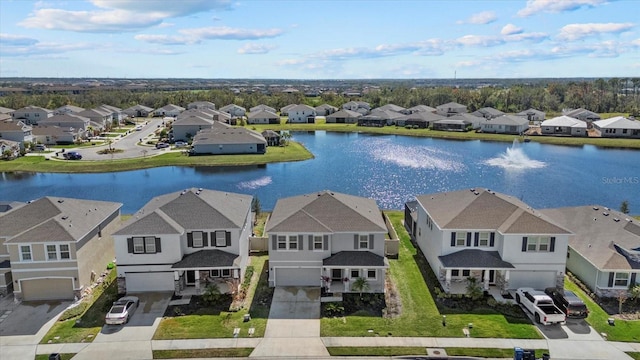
x=474, y=291
x=255, y=205
x=624, y=207
x=285, y=136
x=634, y=291
x=622, y=296
x=361, y=285
x=211, y=294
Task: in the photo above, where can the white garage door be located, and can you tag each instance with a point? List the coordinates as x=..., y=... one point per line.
x=151, y=281
x=47, y=289
x=533, y=279
x=297, y=277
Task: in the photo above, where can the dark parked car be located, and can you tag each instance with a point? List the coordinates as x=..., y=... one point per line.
x=568, y=302
x=72, y=155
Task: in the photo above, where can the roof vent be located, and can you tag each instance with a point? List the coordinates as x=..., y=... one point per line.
x=472, y=190
x=596, y=208
x=606, y=208
x=65, y=217
x=60, y=201
x=198, y=192
x=616, y=219
x=476, y=193
x=199, y=189
x=605, y=213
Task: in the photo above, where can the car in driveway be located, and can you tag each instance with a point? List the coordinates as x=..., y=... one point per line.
x=72, y=155
x=122, y=310
x=162, y=145
x=180, y=144
x=568, y=302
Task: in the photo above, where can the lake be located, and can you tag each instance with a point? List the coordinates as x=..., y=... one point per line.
x=390, y=169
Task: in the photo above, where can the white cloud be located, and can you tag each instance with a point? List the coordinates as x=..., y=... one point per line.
x=479, y=40
x=469, y=63
x=228, y=33
x=480, y=18
x=16, y=40
x=116, y=16
x=532, y=37
x=510, y=29
x=253, y=48
x=579, y=31
x=44, y=48
x=165, y=39
x=556, y=6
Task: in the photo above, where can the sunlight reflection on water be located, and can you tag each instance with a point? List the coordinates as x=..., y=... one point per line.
x=417, y=157
x=255, y=184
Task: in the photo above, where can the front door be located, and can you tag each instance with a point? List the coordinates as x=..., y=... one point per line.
x=191, y=277
x=492, y=276
x=336, y=274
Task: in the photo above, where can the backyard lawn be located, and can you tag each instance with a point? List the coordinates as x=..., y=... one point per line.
x=624, y=330
x=420, y=315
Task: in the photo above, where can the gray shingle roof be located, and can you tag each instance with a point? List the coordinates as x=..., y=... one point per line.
x=207, y=259
x=355, y=258
x=486, y=211
x=55, y=219
x=193, y=120
x=228, y=136
x=326, y=211
x=474, y=258
x=190, y=209
x=597, y=233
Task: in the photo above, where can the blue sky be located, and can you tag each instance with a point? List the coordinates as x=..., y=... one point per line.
x=319, y=39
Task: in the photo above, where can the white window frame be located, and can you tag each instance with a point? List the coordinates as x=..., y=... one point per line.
x=138, y=245
x=282, y=242
x=484, y=237
x=455, y=273
x=50, y=252
x=354, y=271
x=200, y=239
x=624, y=276
x=221, y=242
x=461, y=239
x=225, y=273
x=149, y=243
x=215, y=273
x=375, y=274
x=363, y=239
x=292, y=244
x=318, y=240
x=66, y=251
x=538, y=244
x=23, y=253
x=468, y=271
x=543, y=243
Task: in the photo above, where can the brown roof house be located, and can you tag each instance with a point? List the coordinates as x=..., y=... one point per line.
x=492, y=237
x=327, y=239
x=53, y=248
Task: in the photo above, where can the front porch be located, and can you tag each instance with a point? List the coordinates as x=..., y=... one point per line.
x=342, y=272
x=199, y=270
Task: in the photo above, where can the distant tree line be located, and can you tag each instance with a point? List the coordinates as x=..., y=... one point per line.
x=613, y=95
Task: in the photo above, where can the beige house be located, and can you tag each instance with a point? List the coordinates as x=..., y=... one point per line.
x=56, y=247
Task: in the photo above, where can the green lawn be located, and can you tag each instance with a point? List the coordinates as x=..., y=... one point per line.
x=293, y=152
x=471, y=135
x=420, y=316
x=85, y=327
x=223, y=324
x=622, y=331
x=400, y=351
x=62, y=356
x=635, y=355
x=202, y=353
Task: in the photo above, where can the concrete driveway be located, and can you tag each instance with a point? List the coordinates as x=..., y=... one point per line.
x=293, y=328
x=27, y=318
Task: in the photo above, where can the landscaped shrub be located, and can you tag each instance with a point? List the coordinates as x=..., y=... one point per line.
x=333, y=309
x=74, y=311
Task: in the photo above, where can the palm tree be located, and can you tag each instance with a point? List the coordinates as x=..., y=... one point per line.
x=285, y=136
x=361, y=285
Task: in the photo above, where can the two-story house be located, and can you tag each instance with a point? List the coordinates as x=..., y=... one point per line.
x=301, y=114
x=56, y=247
x=493, y=237
x=31, y=115
x=361, y=107
x=184, y=241
x=234, y=110
x=327, y=239
x=137, y=111
x=16, y=131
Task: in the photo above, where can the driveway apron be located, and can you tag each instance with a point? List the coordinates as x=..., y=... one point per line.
x=293, y=328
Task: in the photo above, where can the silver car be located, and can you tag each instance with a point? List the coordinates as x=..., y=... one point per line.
x=122, y=310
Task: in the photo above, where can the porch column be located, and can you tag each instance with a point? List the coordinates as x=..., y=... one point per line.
x=506, y=279
x=447, y=281
x=197, y=277
x=486, y=280
x=236, y=273
x=345, y=275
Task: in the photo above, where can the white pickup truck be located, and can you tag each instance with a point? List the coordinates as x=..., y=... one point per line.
x=540, y=305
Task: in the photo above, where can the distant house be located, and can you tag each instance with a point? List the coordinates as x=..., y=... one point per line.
x=603, y=252
x=618, y=126
x=379, y=118
x=301, y=114
x=138, y=111
x=420, y=119
x=582, y=114
x=169, y=110
x=8, y=111
x=234, y=110
x=262, y=107
x=487, y=113
x=327, y=239
x=450, y=109
x=564, y=125
x=67, y=109
x=201, y=105
x=506, y=124
x=532, y=115
x=117, y=116
x=284, y=111
x=452, y=125
x=68, y=121
x=492, y=237
x=343, y=117
x=56, y=247
x=232, y=140
x=392, y=107
x=325, y=109
x=101, y=118
x=272, y=137
x=361, y=107
x=31, y=115
x=419, y=108
x=56, y=135
x=183, y=241
x=16, y=131
x=263, y=117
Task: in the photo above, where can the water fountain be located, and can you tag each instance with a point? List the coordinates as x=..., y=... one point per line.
x=514, y=158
